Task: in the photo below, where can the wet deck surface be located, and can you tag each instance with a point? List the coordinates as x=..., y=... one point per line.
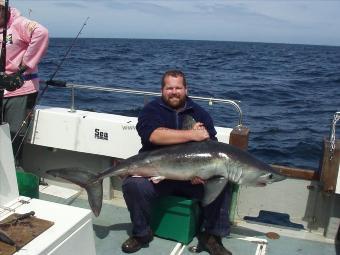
x=113, y=227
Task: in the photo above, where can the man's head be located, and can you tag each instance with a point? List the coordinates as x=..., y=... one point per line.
x=174, y=89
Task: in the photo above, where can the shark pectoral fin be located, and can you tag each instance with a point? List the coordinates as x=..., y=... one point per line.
x=95, y=196
x=212, y=188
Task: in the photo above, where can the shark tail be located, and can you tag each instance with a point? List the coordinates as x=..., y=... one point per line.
x=91, y=182
x=95, y=196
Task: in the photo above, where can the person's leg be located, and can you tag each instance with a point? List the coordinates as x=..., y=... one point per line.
x=14, y=110
x=139, y=194
x=216, y=214
x=216, y=224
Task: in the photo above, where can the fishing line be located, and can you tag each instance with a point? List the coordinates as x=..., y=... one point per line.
x=50, y=81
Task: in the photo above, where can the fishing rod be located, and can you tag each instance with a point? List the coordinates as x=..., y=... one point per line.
x=50, y=81
x=69, y=49
x=3, y=57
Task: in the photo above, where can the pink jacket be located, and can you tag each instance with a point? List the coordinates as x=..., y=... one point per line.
x=27, y=43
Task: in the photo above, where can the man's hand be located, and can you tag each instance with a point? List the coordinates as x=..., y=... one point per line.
x=11, y=82
x=197, y=180
x=199, y=132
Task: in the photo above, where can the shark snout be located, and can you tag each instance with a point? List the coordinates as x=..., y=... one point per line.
x=269, y=178
x=275, y=178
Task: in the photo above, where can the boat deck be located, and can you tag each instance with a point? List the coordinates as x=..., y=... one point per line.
x=113, y=226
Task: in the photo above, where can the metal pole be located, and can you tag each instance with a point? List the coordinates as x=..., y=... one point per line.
x=3, y=57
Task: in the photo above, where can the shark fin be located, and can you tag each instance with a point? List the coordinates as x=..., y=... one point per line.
x=87, y=180
x=188, y=122
x=95, y=196
x=212, y=188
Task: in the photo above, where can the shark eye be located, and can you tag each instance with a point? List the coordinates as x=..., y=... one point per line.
x=270, y=176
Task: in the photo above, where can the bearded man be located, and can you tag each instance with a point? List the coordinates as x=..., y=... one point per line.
x=162, y=123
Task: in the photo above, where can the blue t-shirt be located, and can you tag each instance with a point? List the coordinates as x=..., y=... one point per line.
x=157, y=114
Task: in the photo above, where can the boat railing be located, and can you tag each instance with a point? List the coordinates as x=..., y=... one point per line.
x=210, y=100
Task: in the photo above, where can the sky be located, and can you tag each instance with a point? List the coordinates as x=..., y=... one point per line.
x=291, y=21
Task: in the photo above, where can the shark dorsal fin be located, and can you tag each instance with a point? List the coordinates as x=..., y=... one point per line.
x=188, y=122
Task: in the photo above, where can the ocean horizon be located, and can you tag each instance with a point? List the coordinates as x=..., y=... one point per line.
x=204, y=40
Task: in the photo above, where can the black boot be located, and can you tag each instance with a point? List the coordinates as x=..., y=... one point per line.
x=135, y=243
x=212, y=244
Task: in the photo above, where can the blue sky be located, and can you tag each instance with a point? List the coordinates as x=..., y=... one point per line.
x=290, y=21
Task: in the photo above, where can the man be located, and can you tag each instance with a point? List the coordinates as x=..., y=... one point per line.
x=159, y=124
x=26, y=44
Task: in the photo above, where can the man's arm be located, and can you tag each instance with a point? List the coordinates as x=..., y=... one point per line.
x=37, y=37
x=166, y=136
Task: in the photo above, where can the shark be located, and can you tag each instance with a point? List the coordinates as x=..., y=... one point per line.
x=215, y=162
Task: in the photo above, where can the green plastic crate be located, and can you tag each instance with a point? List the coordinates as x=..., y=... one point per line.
x=28, y=184
x=175, y=218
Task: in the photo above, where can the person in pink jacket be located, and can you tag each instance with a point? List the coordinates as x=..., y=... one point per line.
x=26, y=44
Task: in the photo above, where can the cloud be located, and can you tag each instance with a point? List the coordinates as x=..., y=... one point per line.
x=147, y=7
x=299, y=21
x=73, y=4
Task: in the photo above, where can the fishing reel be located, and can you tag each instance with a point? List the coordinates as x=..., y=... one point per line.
x=11, y=82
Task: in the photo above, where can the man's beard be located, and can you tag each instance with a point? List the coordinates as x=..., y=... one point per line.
x=175, y=104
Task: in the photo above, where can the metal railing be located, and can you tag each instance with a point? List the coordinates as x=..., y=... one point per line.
x=211, y=100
